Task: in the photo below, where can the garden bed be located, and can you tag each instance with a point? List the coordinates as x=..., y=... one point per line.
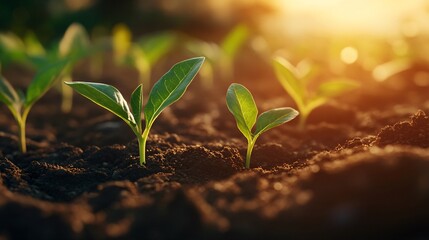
x=360, y=169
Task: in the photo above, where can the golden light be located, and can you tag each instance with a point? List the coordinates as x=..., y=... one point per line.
x=349, y=55
x=378, y=17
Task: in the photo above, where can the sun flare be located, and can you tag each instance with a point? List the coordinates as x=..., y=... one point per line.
x=355, y=17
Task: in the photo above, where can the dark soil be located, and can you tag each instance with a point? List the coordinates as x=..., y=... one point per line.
x=359, y=171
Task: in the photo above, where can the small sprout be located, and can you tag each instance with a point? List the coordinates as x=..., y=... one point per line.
x=220, y=56
x=74, y=45
x=295, y=81
x=142, y=54
x=121, y=41
x=165, y=92
x=241, y=104
x=148, y=51
x=20, y=104
x=12, y=49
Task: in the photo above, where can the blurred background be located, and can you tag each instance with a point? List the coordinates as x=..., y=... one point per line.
x=382, y=37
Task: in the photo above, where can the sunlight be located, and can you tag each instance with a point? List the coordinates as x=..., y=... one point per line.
x=364, y=16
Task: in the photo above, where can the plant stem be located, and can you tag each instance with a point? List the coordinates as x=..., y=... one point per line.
x=250, y=145
x=21, y=130
x=142, y=145
x=302, y=120
x=67, y=92
x=21, y=134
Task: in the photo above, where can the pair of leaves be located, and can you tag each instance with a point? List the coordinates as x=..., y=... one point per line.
x=165, y=92
x=40, y=84
x=241, y=104
x=296, y=87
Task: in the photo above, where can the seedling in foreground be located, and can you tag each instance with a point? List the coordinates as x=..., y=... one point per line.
x=295, y=83
x=241, y=104
x=20, y=104
x=165, y=92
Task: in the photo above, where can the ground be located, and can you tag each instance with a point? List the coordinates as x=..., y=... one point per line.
x=360, y=170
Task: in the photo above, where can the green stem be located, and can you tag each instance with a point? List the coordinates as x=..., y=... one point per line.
x=250, y=145
x=67, y=92
x=21, y=130
x=303, y=115
x=142, y=145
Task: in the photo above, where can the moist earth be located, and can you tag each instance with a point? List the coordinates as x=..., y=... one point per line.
x=360, y=170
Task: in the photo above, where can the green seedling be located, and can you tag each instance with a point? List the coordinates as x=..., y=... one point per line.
x=220, y=56
x=20, y=104
x=295, y=81
x=241, y=104
x=22, y=51
x=74, y=45
x=142, y=54
x=165, y=92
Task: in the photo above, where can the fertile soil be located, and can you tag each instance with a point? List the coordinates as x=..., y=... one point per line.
x=360, y=170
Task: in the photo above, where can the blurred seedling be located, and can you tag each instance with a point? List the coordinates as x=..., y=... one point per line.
x=24, y=51
x=165, y=92
x=143, y=54
x=242, y=106
x=220, y=57
x=20, y=104
x=296, y=82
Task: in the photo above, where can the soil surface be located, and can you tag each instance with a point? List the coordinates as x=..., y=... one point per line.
x=360, y=170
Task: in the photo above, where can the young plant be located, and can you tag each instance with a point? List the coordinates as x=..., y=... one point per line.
x=165, y=92
x=74, y=45
x=220, y=56
x=22, y=51
x=20, y=104
x=295, y=82
x=241, y=104
x=142, y=54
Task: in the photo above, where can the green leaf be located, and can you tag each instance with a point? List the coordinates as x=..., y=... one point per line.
x=8, y=95
x=43, y=80
x=75, y=42
x=136, y=105
x=234, y=40
x=287, y=76
x=335, y=87
x=171, y=87
x=274, y=118
x=156, y=46
x=241, y=104
x=105, y=96
x=12, y=49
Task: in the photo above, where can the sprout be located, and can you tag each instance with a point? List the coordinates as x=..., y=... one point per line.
x=295, y=83
x=241, y=104
x=20, y=104
x=165, y=92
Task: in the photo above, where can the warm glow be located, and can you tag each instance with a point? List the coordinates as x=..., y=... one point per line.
x=349, y=55
x=377, y=17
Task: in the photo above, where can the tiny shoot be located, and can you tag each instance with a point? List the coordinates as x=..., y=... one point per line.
x=220, y=56
x=74, y=45
x=20, y=104
x=295, y=81
x=165, y=92
x=142, y=54
x=242, y=106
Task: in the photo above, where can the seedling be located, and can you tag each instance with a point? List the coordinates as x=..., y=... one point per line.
x=21, y=51
x=241, y=104
x=295, y=82
x=142, y=54
x=220, y=56
x=74, y=45
x=20, y=104
x=165, y=92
